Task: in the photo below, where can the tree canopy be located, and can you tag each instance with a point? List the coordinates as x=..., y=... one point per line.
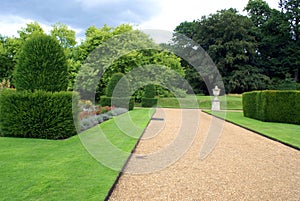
x=251, y=52
x=260, y=50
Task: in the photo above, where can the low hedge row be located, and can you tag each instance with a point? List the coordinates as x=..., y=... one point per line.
x=38, y=114
x=273, y=106
x=127, y=103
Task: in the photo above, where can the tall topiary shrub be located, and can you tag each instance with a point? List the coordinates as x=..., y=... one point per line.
x=149, y=99
x=118, y=93
x=150, y=91
x=41, y=65
x=118, y=86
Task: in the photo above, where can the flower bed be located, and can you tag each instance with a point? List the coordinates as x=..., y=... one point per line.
x=92, y=115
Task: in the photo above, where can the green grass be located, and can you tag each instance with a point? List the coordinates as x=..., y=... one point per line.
x=34, y=169
x=233, y=102
x=286, y=133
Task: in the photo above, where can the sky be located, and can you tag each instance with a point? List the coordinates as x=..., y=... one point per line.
x=81, y=14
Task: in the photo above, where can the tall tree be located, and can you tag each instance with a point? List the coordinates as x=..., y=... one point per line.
x=228, y=39
x=259, y=11
x=64, y=35
x=275, y=52
x=190, y=30
x=125, y=48
x=6, y=62
x=31, y=28
x=9, y=48
x=291, y=8
x=67, y=39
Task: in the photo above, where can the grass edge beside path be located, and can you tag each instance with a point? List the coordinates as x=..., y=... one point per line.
x=36, y=169
x=288, y=134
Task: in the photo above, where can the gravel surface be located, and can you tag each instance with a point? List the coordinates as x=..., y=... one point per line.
x=242, y=166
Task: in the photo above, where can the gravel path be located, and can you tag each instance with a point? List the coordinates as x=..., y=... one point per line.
x=242, y=166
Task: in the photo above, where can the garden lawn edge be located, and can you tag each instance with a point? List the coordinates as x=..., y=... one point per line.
x=254, y=131
x=126, y=162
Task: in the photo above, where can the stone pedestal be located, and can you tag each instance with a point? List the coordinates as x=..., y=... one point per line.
x=215, y=106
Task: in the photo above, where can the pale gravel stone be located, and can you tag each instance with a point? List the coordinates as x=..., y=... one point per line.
x=243, y=166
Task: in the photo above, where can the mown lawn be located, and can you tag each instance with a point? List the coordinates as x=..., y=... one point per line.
x=35, y=169
x=286, y=133
x=229, y=102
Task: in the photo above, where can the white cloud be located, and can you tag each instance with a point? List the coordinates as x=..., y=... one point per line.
x=175, y=12
x=166, y=14
x=9, y=26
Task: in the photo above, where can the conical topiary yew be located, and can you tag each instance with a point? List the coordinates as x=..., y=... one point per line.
x=41, y=65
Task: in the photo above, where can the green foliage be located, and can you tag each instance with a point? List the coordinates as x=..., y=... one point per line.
x=41, y=65
x=118, y=86
x=165, y=93
x=237, y=81
x=39, y=114
x=273, y=106
x=259, y=11
x=121, y=102
x=227, y=38
x=150, y=91
x=149, y=102
x=31, y=29
x=138, y=95
x=97, y=36
x=250, y=104
x=277, y=48
x=149, y=99
x=7, y=51
x=292, y=11
x=105, y=101
x=120, y=53
x=64, y=35
x=262, y=45
x=287, y=84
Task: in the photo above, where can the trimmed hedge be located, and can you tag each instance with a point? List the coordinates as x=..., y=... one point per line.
x=39, y=114
x=273, y=106
x=117, y=102
x=149, y=102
